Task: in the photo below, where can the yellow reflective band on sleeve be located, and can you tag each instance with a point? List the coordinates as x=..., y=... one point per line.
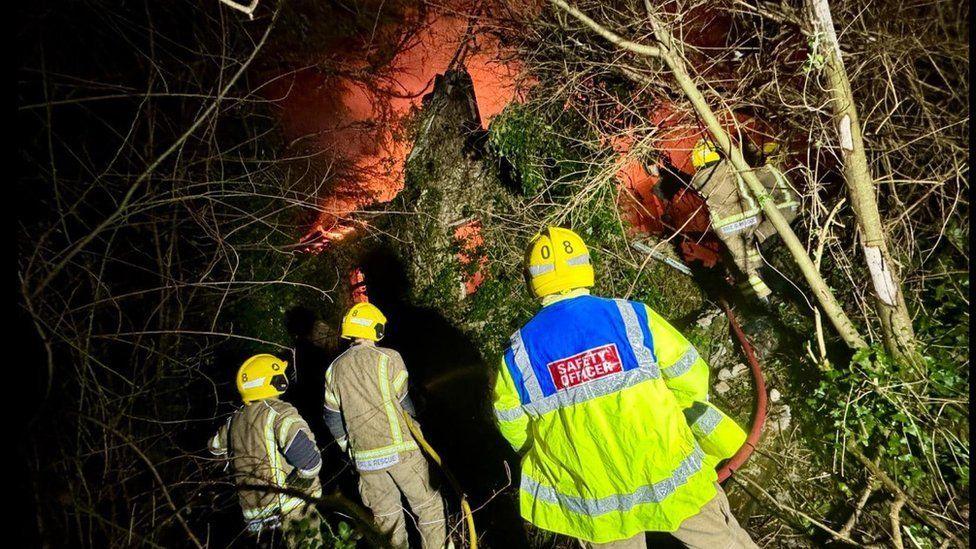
x=398, y=381
x=285, y=427
x=683, y=364
x=215, y=445
x=332, y=401
x=706, y=422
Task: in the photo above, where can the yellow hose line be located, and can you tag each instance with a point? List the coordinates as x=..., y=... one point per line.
x=465, y=508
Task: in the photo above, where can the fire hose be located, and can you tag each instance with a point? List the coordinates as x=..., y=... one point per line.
x=759, y=414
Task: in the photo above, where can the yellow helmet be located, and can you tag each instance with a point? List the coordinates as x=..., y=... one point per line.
x=770, y=147
x=704, y=153
x=557, y=260
x=261, y=377
x=363, y=321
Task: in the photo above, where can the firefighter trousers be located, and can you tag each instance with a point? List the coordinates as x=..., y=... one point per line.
x=381, y=491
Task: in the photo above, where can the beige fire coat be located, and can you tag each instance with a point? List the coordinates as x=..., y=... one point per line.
x=737, y=217
x=266, y=442
x=364, y=391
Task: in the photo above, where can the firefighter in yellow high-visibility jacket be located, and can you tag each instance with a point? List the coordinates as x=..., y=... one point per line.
x=597, y=396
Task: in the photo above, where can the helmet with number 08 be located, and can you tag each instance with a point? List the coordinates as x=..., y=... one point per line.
x=557, y=261
x=260, y=377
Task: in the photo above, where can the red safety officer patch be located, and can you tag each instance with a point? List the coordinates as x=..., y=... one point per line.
x=584, y=367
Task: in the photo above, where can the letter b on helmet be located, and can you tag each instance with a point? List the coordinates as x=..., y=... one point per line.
x=260, y=377
x=363, y=321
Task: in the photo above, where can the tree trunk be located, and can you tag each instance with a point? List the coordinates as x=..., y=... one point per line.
x=896, y=322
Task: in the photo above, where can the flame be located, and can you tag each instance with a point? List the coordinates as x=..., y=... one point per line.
x=355, y=126
x=470, y=239
x=353, y=123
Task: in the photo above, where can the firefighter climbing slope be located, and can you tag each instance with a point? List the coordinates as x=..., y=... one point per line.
x=736, y=215
x=365, y=395
x=607, y=404
x=271, y=448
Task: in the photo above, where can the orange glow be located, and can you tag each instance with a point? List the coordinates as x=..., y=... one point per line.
x=356, y=128
x=469, y=237
x=357, y=286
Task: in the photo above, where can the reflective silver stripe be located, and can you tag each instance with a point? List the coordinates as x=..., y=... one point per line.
x=529, y=380
x=587, y=391
x=509, y=415
x=536, y=270
x=650, y=493
x=707, y=422
x=683, y=364
x=578, y=260
x=739, y=225
x=377, y=463
x=635, y=336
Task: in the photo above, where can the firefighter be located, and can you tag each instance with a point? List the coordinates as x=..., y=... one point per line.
x=736, y=215
x=607, y=405
x=365, y=397
x=271, y=449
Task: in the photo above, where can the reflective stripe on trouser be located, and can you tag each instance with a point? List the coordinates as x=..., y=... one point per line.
x=621, y=503
x=381, y=493
x=747, y=258
x=754, y=285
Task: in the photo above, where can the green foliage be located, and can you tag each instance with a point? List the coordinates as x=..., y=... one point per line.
x=526, y=140
x=870, y=405
x=259, y=311
x=343, y=536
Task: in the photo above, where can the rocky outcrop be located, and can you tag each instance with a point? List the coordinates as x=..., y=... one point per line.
x=451, y=190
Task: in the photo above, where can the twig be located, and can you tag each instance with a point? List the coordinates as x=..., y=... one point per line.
x=127, y=199
x=248, y=9
x=783, y=507
x=895, y=518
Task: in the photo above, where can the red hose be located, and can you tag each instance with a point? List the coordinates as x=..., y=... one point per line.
x=740, y=457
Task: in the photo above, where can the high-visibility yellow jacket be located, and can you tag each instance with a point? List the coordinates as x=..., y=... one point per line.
x=592, y=393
